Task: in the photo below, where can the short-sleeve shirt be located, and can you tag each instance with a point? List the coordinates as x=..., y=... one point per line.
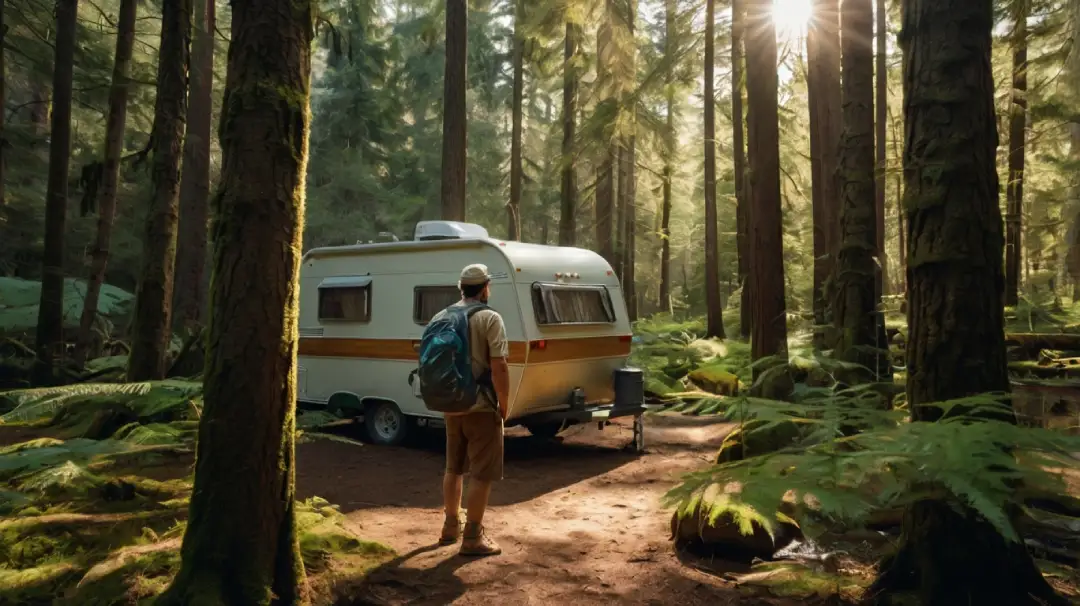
x=487, y=340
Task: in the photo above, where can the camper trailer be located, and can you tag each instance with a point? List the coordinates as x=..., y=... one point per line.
x=363, y=309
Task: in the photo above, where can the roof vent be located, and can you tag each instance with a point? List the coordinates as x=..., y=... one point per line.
x=448, y=230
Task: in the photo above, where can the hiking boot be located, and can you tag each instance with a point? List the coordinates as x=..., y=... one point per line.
x=451, y=530
x=477, y=543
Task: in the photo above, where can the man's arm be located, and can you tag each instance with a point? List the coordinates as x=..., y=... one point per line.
x=500, y=376
x=498, y=350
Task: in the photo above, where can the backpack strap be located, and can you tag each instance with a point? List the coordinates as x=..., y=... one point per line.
x=484, y=381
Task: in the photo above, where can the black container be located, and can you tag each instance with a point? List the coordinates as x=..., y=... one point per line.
x=629, y=387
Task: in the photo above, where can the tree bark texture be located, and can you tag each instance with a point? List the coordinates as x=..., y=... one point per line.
x=714, y=325
x=860, y=328
x=455, y=81
x=956, y=342
x=3, y=103
x=628, y=190
x=881, y=109
x=823, y=98
x=901, y=223
x=605, y=205
x=152, y=326
x=738, y=141
x=241, y=545
x=513, y=210
x=190, y=293
x=115, y=124
x=50, y=326
x=568, y=206
x=1014, y=193
x=769, y=334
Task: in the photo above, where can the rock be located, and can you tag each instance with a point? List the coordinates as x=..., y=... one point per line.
x=751, y=440
x=715, y=379
x=723, y=537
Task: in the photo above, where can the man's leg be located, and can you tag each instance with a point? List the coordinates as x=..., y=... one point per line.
x=457, y=463
x=484, y=432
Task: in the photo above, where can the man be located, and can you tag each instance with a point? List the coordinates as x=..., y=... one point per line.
x=474, y=439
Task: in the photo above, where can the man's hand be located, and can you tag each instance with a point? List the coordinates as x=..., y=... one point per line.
x=503, y=410
x=500, y=376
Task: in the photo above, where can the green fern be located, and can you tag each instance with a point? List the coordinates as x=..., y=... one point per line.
x=29, y=405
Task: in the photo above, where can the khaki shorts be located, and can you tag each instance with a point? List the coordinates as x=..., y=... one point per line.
x=474, y=444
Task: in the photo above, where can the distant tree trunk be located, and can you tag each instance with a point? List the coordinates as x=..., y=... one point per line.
x=881, y=110
x=110, y=176
x=629, y=279
x=152, y=328
x=859, y=325
x=605, y=206
x=3, y=104
x=1014, y=200
x=1072, y=237
x=190, y=295
x=714, y=325
x=769, y=334
x=513, y=210
x=454, y=127
x=241, y=544
x=947, y=553
x=567, y=222
x=669, y=158
x=823, y=97
x=901, y=223
x=50, y=326
x=738, y=141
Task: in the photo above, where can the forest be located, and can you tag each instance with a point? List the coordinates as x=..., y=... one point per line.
x=847, y=234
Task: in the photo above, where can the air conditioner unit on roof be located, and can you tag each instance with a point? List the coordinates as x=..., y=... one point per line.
x=448, y=230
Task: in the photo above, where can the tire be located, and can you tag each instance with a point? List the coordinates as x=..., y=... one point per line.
x=385, y=424
x=544, y=430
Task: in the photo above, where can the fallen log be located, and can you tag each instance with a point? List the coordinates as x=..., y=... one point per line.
x=1029, y=344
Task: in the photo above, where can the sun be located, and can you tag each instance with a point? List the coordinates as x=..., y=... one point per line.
x=791, y=17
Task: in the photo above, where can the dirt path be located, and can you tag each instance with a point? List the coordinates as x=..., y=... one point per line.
x=579, y=522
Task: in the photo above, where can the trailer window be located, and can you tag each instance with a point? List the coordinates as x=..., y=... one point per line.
x=430, y=300
x=345, y=299
x=572, y=304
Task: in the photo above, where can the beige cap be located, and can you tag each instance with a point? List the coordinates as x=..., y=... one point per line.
x=474, y=274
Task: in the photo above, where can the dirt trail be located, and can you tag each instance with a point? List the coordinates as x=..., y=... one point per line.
x=579, y=522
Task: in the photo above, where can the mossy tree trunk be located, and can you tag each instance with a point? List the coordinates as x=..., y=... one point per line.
x=738, y=141
x=714, y=325
x=769, y=335
x=823, y=98
x=3, y=103
x=956, y=342
x=669, y=157
x=860, y=328
x=241, y=545
x=110, y=176
x=513, y=209
x=1014, y=192
x=152, y=326
x=628, y=189
x=605, y=206
x=190, y=291
x=568, y=204
x=50, y=327
x=454, y=142
x=881, y=110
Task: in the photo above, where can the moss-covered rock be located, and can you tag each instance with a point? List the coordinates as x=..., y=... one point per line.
x=715, y=379
x=733, y=532
x=756, y=438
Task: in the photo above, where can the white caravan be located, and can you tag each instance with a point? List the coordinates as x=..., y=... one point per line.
x=363, y=309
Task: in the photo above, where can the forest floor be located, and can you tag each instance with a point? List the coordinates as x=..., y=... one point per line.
x=578, y=521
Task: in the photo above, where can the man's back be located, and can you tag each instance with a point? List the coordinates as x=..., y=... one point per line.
x=487, y=339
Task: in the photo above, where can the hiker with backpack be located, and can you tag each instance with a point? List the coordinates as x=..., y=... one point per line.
x=463, y=374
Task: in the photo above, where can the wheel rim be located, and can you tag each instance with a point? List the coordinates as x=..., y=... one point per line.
x=386, y=423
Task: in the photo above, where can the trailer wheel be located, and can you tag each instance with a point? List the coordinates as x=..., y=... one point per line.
x=544, y=430
x=385, y=424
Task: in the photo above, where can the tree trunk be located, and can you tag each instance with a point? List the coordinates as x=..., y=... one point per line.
x=629, y=279
x=454, y=127
x=241, y=545
x=151, y=328
x=738, y=141
x=769, y=334
x=901, y=224
x=110, y=177
x=859, y=325
x=669, y=158
x=881, y=108
x=513, y=210
x=1014, y=201
x=3, y=104
x=823, y=97
x=956, y=342
x=190, y=295
x=567, y=222
x=605, y=206
x=714, y=325
x=50, y=326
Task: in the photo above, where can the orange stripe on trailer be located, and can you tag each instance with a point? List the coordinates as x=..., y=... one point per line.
x=406, y=350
